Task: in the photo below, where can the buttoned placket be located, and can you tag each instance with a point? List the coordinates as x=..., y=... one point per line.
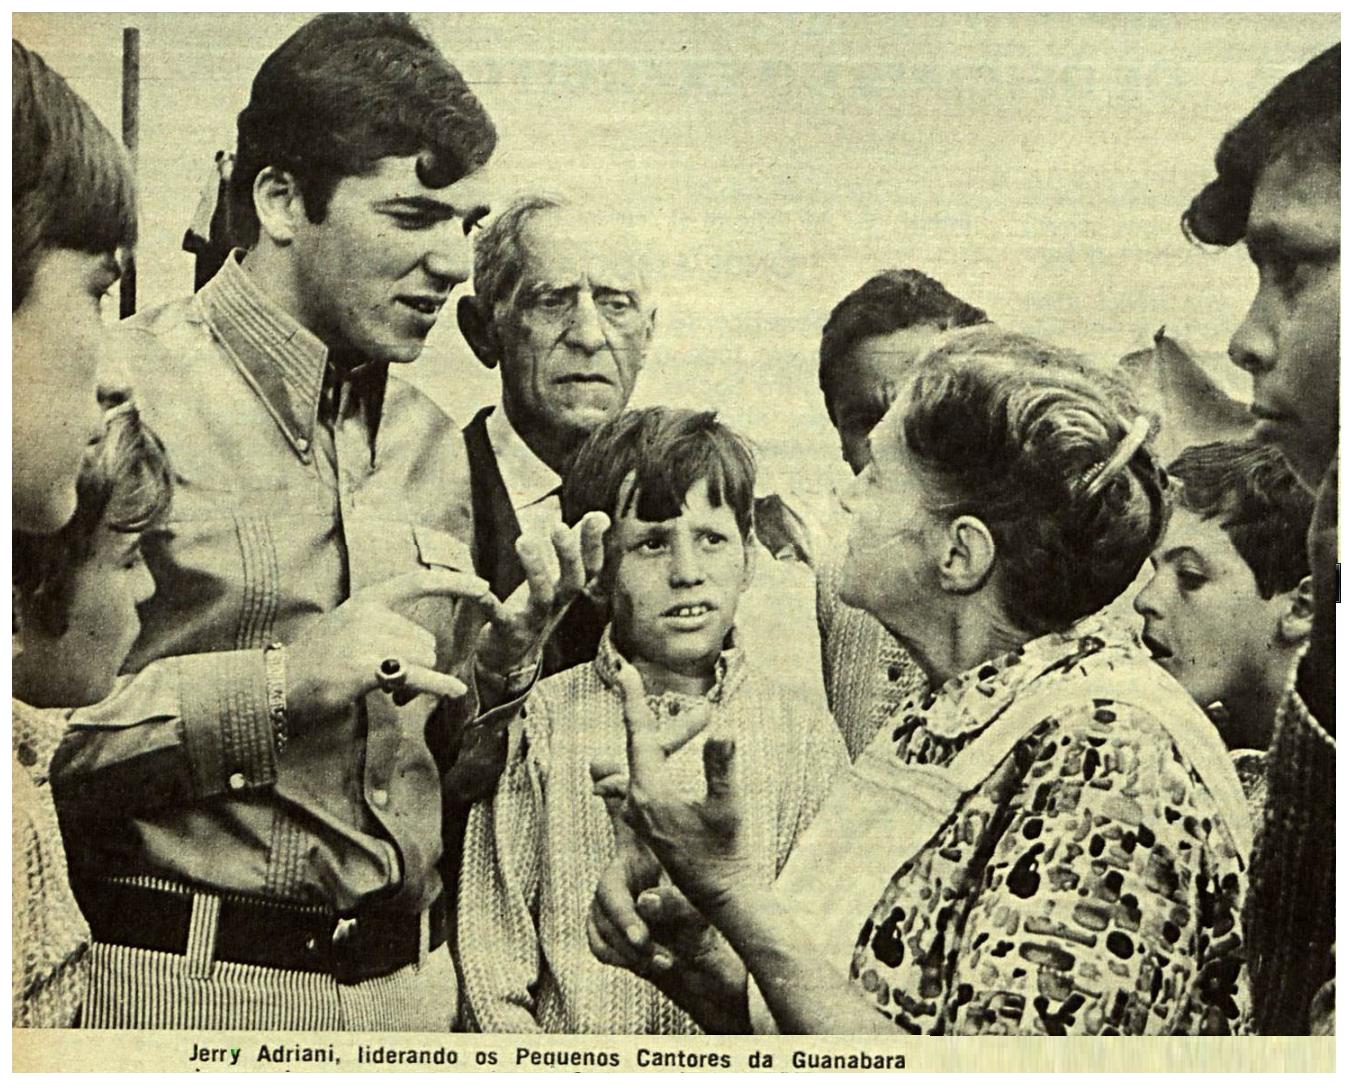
x=354, y=459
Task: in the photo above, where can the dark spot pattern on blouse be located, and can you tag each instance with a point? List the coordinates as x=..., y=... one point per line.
x=1083, y=888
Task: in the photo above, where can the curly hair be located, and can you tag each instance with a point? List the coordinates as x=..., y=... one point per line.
x=1013, y=431
x=346, y=90
x=898, y=298
x=1300, y=117
x=1262, y=506
x=125, y=484
x=72, y=182
x=651, y=458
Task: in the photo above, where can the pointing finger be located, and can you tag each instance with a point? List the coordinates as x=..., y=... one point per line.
x=409, y=588
x=422, y=679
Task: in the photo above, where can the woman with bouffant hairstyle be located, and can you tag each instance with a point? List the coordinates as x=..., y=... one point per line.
x=1050, y=839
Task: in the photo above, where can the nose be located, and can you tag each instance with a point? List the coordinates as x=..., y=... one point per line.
x=1253, y=347
x=586, y=326
x=144, y=587
x=1145, y=601
x=685, y=567
x=449, y=255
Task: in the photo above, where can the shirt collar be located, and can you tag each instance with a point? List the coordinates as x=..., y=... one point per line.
x=282, y=360
x=730, y=671
x=527, y=478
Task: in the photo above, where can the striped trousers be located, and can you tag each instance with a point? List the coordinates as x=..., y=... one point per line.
x=147, y=989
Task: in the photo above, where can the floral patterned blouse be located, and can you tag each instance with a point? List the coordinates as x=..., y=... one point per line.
x=1088, y=886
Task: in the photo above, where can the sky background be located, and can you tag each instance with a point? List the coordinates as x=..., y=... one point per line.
x=1037, y=165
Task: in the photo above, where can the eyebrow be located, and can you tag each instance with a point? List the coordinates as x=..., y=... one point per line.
x=1184, y=552
x=441, y=209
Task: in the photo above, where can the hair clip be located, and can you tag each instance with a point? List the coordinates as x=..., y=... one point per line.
x=1097, y=475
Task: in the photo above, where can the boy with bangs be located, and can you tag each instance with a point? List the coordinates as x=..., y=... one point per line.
x=1230, y=605
x=76, y=595
x=681, y=488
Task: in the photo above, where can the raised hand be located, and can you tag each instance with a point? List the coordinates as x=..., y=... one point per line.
x=555, y=575
x=699, y=843
x=336, y=661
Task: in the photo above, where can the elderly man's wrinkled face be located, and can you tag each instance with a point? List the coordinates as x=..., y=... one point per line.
x=1288, y=341
x=867, y=380
x=574, y=333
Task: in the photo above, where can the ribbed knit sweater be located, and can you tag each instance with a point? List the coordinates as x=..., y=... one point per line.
x=50, y=966
x=1289, y=918
x=534, y=853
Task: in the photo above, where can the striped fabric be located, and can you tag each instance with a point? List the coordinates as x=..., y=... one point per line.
x=145, y=989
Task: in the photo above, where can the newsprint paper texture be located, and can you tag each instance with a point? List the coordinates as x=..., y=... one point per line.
x=766, y=165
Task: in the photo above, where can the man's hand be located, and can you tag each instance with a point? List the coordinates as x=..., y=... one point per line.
x=555, y=574
x=335, y=662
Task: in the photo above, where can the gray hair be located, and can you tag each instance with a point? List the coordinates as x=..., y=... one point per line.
x=499, y=248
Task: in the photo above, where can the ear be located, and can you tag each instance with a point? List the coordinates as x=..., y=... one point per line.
x=649, y=334
x=752, y=548
x=968, y=555
x=1293, y=626
x=278, y=204
x=478, y=331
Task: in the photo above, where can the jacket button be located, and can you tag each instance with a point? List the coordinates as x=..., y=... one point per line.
x=380, y=798
x=237, y=781
x=303, y=445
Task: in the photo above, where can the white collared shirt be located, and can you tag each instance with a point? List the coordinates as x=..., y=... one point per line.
x=533, y=486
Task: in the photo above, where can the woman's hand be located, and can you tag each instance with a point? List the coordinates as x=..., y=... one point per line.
x=639, y=921
x=698, y=843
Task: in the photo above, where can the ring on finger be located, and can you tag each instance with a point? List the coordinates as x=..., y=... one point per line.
x=391, y=675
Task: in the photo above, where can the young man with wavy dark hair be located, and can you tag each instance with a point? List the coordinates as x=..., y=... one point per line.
x=256, y=814
x=1277, y=189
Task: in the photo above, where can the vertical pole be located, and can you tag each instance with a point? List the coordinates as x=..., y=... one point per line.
x=127, y=303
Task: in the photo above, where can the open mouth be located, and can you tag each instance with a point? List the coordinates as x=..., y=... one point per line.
x=690, y=612
x=426, y=306
x=1157, y=649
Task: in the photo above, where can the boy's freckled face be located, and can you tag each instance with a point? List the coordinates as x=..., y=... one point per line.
x=676, y=584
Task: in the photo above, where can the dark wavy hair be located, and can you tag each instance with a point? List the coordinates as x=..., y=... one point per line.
x=898, y=298
x=72, y=182
x=1015, y=432
x=1262, y=506
x=125, y=484
x=648, y=459
x=346, y=90
x=1300, y=117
